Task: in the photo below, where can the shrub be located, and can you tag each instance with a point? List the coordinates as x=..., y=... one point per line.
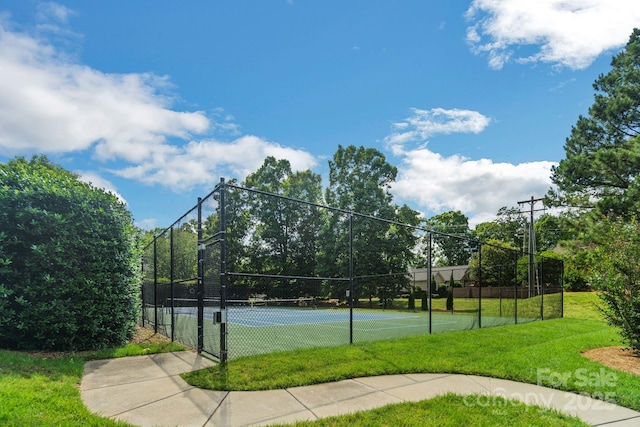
x=617, y=277
x=442, y=290
x=450, y=293
x=576, y=271
x=450, y=300
x=69, y=267
x=425, y=301
x=411, y=305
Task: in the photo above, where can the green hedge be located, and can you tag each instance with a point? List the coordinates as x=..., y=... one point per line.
x=68, y=262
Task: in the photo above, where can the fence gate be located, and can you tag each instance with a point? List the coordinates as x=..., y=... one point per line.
x=211, y=315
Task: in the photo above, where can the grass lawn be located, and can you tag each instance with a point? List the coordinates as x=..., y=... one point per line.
x=450, y=411
x=41, y=390
x=267, y=329
x=524, y=353
x=527, y=353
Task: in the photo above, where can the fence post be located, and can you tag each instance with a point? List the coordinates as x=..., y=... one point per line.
x=429, y=279
x=561, y=288
x=172, y=278
x=155, y=285
x=480, y=286
x=350, y=277
x=200, y=292
x=541, y=284
x=515, y=291
x=144, y=308
x=223, y=273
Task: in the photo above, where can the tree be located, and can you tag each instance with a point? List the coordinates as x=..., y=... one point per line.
x=602, y=161
x=617, y=275
x=551, y=230
x=452, y=246
x=359, y=181
x=69, y=270
x=284, y=233
x=411, y=304
x=499, y=264
x=578, y=266
x=238, y=224
x=185, y=250
x=508, y=227
x=161, y=259
x=551, y=268
x=184, y=237
x=450, y=293
x=599, y=177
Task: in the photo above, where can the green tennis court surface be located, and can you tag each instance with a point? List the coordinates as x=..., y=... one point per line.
x=258, y=330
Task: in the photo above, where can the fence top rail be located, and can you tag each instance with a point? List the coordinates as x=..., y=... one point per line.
x=278, y=276
x=190, y=279
x=215, y=237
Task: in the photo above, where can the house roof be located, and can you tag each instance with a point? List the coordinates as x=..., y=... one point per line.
x=422, y=274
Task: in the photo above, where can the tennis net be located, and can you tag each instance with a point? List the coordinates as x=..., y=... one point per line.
x=243, y=303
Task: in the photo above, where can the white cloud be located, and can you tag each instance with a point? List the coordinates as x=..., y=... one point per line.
x=98, y=181
x=435, y=183
x=570, y=33
x=52, y=20
x=198, y=162
x=478, y=188
x=223, y=122
x=425, y=123
x=51, y=103
x=147, y=224
x=53, y=12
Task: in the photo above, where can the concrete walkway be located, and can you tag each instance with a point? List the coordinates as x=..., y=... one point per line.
x=148, y=391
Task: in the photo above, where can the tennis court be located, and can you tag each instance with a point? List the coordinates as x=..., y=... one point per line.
x=298, y=312
x=255, y=328
x=257, y=317
x=300, y=250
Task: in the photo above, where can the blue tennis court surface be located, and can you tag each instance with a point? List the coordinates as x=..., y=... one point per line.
x=273, y=316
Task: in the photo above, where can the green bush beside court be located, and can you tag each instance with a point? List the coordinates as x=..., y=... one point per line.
x=68, y=263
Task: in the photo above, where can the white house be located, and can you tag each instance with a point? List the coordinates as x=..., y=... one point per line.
x=420, y=276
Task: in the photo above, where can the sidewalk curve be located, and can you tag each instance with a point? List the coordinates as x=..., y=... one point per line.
x=148, y=391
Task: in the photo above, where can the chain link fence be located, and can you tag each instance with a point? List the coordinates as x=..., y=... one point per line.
x=247, y=272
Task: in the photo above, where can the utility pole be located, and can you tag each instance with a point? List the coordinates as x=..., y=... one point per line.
x=532, y=242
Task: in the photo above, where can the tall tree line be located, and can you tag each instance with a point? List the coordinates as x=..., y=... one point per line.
x=599, y=180
x=271, y=233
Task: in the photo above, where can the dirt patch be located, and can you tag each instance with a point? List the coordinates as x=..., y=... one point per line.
x=49, y=354
x=620, y=358
x=148, y=336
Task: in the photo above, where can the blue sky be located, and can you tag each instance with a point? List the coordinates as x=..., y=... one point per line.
x=156, y=100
